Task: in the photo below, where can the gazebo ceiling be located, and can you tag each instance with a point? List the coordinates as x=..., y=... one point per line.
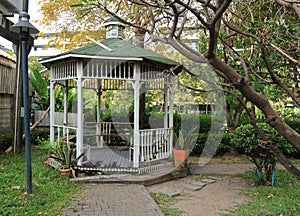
x=112, y=48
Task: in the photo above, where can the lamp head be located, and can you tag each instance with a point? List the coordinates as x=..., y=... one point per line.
x=23, y=25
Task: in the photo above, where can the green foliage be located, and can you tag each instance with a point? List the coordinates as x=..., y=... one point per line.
x=282, y=199
x=51, y=192
x=164, y=201
x=40, y=86
x=295, y=124
x=42, y=100
x=247, y=142
x=34, y=65
x=106, y=115
x=186, y=139
x=6, y=140
x=224, y=146
x=65, y=154
x=59, y=99
x=38, y=135
x=186, y=120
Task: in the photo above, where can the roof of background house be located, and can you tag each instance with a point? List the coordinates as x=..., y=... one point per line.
x=6, y=55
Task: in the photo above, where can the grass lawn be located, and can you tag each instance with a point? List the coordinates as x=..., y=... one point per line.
x=164, y=201
x=282, y=199
x=51, y=192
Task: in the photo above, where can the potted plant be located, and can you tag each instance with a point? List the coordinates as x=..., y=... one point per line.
x=183, y=142
x=64, y=153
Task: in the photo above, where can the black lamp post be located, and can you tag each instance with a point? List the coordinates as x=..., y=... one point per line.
x=24, y=28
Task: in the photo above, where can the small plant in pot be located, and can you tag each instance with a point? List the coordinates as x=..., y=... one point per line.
x=64, y=153
x=183, y=144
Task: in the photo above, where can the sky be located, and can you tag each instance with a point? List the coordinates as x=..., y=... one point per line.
x=34, y=15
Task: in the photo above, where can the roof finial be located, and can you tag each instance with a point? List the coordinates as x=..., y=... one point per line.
x=114, y=28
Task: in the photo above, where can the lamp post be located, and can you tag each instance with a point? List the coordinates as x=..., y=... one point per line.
x=24, y=28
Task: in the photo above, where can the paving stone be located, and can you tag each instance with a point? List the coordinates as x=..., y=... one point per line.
x=208, y=181
x=214, y=178
x=192, y=187
x=114, y=200
x=171, y=193
x=198, y=183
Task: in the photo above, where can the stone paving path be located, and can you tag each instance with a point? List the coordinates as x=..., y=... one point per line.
x=114, y=200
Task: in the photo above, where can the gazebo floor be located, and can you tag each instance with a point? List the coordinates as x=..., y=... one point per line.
x=117, y=159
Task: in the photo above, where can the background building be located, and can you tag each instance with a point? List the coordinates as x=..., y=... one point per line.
x=7, y=89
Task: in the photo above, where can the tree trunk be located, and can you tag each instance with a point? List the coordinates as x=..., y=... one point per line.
x=258, y=100
x=263, y=104
x=283, y=160
x=232, y=124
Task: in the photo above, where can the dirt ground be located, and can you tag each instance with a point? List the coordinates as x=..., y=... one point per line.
x=215, y=198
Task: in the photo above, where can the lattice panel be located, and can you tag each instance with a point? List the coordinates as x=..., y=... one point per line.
x=108, y=69
x=64, y=70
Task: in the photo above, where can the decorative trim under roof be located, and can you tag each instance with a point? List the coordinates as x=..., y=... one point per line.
x=121, y=50
x=91, y=57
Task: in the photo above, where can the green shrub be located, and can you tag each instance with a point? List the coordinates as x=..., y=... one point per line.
x=38, y=135
x=295, y=124
x=6, y=140
x=225, y=145
x=247, y=142
x=223, y=148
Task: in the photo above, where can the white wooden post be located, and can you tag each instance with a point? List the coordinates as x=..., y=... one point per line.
x=171, y=110
x=136, y=134
x=165, y=105
x=52, y=111
x=66, y=96
x=99, y=139
x=79, y=138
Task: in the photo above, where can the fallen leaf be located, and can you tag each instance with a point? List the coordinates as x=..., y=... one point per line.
x=15, y=187
x=270, y=196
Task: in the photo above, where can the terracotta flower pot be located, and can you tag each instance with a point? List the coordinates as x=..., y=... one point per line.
x=180, y=158
x=65, y=171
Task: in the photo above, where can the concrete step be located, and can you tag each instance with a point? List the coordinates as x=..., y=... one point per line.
x=171, y=193
x=192, y=187
x=208, y=181
x=198, y=183
x=214, y=178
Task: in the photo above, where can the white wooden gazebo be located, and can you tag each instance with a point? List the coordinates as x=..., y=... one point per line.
x=112, y=64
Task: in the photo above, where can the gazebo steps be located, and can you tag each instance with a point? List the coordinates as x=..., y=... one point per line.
x=110, y=160
x=127, y=170
x=145, y=179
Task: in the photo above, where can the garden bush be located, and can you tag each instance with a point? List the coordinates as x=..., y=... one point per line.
x=38, y=135
x=6, y=140
x=247, y=142
x=295, y=124
x=224, y=146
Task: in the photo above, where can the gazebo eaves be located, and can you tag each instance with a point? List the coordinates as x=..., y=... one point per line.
x=71, y=55
x=118, y=50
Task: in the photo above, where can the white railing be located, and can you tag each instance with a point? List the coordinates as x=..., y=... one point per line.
x=155, y=144
x=107, y=131
x=64, y=133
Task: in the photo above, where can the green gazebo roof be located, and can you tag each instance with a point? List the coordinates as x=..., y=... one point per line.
x=113, y=48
